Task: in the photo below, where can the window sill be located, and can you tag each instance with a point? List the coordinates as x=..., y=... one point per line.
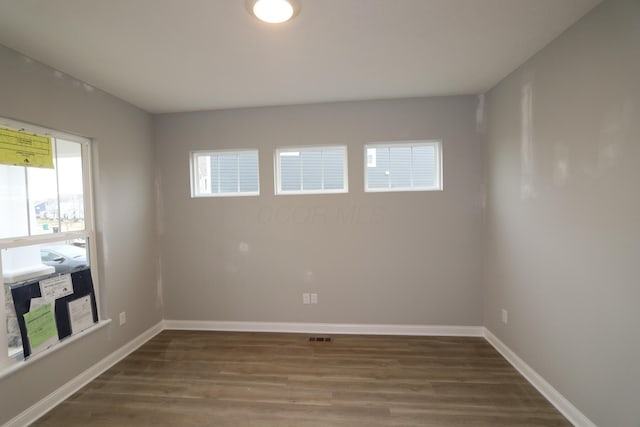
x=19, y=365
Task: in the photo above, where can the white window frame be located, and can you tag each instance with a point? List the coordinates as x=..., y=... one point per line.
x=418, y=143
x=87, y=233
x=322, y=148
x=193, y=158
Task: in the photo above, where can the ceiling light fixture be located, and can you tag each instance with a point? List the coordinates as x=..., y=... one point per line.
x=273, y=11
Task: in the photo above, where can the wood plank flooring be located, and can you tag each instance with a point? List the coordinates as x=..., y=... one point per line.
x=186, y=378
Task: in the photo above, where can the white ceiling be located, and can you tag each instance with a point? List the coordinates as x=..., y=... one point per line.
x=185, y=55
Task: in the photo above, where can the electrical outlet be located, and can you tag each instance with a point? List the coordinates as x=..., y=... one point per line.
x=306, y=299
x=314, y=298
x=504, y=316
x=123, y=318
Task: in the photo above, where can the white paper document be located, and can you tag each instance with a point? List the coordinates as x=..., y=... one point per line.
x=56, y=287
x=38, y=302
x=80, y=314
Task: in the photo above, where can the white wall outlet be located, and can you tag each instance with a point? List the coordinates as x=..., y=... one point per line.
x=505, y=317
x=314, y=298
x=306, y=299
x=123, y=318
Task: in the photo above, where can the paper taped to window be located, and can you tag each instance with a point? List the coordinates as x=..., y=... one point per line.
x=23, y=149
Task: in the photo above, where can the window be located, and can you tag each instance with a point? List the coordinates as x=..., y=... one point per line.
x=403, y=166
x=46, y=222
x=224, y=173
x=311, y=170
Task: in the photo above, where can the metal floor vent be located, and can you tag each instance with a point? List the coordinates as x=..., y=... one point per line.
x=320, y=339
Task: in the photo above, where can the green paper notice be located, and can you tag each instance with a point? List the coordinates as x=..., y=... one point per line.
x=41, y=327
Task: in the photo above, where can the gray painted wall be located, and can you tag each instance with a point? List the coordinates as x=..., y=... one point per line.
x=564, y=213
x=394, y=258
x=124, y=168
x=562, y=234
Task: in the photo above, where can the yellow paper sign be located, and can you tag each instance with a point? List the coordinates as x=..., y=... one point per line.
x=23, y=149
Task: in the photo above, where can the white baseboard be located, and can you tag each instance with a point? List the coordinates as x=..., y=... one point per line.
x=565, y=407
x=326, y=328
x=43, y=406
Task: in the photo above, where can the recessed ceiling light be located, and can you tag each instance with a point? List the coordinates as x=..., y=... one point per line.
x=273, y=11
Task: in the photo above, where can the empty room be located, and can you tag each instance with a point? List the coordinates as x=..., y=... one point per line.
x=320, y=213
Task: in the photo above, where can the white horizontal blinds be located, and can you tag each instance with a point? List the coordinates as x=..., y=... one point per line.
x=311, y=170
x=290, y=171
x=215, y=176
x=400, y=167
x=403, y=166
x=248, y=180
x=424, y=166
x=378, y=167
x=226, y=173
x=334, y=169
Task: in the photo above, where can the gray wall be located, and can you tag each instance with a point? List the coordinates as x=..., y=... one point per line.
x=562, y=220
x=394, y=258
x=564, y=213
x=125, y=209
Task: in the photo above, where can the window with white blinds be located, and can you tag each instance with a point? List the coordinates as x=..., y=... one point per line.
x=403, y=166
x=224, y=173
x=311, y=170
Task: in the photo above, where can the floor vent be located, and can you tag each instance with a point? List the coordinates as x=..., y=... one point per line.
x=320, y=339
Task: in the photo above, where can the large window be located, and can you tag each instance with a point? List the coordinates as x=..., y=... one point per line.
x=310, y=170
x=46, y=223
x=224, y=173
x=403, y=166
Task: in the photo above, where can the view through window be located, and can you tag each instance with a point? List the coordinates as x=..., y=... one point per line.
x=46, y=222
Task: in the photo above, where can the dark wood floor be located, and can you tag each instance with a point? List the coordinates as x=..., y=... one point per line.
x=184, y=378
